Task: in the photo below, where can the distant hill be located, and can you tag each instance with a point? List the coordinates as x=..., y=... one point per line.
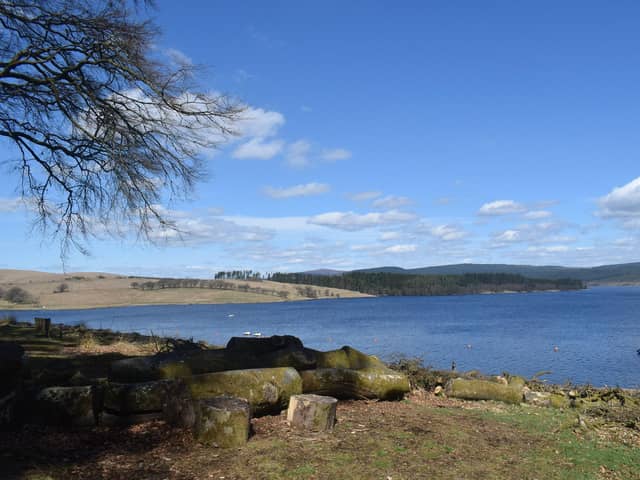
x=324, y=272
x=621, y=273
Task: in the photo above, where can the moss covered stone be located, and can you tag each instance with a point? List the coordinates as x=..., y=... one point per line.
x=223, y=422
x=266, y=389
x=65, y=406
x=483, y=390
x=134, y=398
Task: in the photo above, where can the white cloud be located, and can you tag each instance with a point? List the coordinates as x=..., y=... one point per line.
x=364, y=196
x=406, y=248
x=386, y=236
x=258, y=148
x=11, y=204
x=351, y=221
x=551, y=249
x=333, y=155
x=391, y=202
x=298, y=154
x=304, y=190
x=191, y=229
x=508, y=236
x=257, y=122
x=501, y=207
x=621, y=202
x=537, y=214
x=448, y=232
x=178, y=57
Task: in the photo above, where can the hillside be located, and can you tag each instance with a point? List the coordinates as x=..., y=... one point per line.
x=621, y=273
x=93, y=290
x=389, y=283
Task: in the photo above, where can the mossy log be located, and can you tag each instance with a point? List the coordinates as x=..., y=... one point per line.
x=315, y=413
x=266, y=389
x=65, y=406
x=241, y=353
x=483, y=390
x=382, y=383
x=223, y=422
x=135, y=398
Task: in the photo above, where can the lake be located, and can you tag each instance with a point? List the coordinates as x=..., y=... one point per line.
x=596, y=331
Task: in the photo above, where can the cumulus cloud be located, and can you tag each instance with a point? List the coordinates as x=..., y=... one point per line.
x=501, y=207
x=391, y=202
x=191, y=229
x=259, y=149
x=298, y=154
x=621, y=202
x=333, y=155
x=304, y=190
x=386, y=236
x=257, y=122
x=508, y=236
x=403, y=248
x=537, y=214
x=448, y=232
x=364, y=196
x=351, y=221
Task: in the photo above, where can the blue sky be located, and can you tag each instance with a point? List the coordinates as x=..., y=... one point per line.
x=396, y=133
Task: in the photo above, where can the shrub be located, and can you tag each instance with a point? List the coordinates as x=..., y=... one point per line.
x=63, y=287
x=18, y=295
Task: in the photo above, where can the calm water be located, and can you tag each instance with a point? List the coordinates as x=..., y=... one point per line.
x=597, y=331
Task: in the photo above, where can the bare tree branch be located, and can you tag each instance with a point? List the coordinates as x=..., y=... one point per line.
x=104, y=125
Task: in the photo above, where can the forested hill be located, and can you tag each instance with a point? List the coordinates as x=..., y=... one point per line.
x=384, y=283
x=626, y=272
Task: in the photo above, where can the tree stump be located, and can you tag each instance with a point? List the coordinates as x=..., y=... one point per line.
x=223, y=422
x=312, y=412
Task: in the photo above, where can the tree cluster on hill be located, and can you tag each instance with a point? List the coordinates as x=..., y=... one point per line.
x=398, y=284
x=239, y=275
x=17, y=295
x=206, y=284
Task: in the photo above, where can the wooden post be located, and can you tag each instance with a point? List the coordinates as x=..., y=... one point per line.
x=312, y=412
x=43, y=325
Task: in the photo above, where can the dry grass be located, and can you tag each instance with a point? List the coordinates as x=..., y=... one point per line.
x=93, y=290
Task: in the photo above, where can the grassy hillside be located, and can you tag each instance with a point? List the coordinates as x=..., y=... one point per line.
x=621, y=273
x=92, y=290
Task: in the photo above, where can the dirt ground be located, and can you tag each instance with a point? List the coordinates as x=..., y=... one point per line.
x=422, y=437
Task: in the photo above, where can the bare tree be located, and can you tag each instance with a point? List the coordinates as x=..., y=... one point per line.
x=105, y=124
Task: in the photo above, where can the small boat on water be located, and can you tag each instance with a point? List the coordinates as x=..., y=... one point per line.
x=257, y=334
x=231, y=315
x=248, y=334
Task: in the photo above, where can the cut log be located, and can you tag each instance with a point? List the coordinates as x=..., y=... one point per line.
x=223, y=422
x=266, y=389
x=134, y=398
x=381, y=382
x=483, y=390
x=316, y=413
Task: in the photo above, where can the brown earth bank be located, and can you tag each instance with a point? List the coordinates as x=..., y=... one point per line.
x=94, y=290
x=421, y=436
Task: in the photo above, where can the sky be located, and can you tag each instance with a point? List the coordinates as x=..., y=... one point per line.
x=406, y=133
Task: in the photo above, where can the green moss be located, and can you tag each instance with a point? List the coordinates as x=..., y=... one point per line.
x=483, y=390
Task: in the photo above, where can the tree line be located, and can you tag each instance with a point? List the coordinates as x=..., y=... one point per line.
x=164, y=283
x=407, y=285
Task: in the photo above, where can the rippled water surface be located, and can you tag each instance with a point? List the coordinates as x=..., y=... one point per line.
x=597, y=331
